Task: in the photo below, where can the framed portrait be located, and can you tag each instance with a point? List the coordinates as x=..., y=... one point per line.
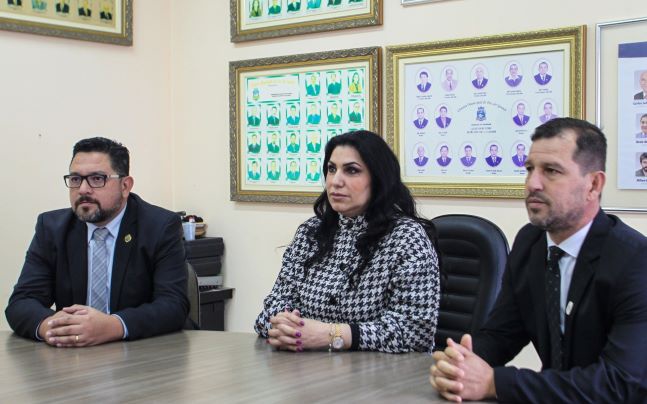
x=108, y=21
x=460, y=113
x=260, y=19
x=621, y=111
x=283, y=110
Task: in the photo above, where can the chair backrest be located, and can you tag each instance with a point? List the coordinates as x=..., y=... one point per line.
x=193, y=293
x=473, y=256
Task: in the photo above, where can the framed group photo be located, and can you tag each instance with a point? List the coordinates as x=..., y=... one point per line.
x=621, y=110
x=460, y=113
x=283, y=111
x=108, y=21
x=261, y=19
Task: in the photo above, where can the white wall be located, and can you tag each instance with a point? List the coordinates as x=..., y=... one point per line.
x=56, y=91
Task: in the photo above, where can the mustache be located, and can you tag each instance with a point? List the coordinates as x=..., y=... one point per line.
x=83, y=199
x=537, y=197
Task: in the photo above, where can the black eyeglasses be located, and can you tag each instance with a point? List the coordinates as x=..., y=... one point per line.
x=94, y=180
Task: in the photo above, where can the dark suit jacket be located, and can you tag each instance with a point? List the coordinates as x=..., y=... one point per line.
x=639, y=96
x=425, y=88
x=421, y=161
x=422, y=125
x=440, y=162
x=604, y=349
x=546, y=79
x=439, y=122
x=468, y=163
x=519, y=162
x=475, y=83
x=521, y=121
x=513, y=82
x=149, y=280
x=86, y=12
x=490, y=161
x=62, y=8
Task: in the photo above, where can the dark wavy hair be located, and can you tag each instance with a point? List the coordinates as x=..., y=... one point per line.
x=390, y=199
x=118, y=153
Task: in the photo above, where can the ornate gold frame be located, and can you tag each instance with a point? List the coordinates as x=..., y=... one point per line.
x=567, y=42
x=294, y=69
x=71, y=25
x=320, y=20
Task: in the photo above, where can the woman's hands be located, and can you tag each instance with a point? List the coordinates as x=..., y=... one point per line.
x=292, y=332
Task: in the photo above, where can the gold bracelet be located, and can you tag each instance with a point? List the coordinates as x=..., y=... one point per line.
x=331, y=334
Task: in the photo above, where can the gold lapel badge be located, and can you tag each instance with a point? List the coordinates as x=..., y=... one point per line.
x=127, y=238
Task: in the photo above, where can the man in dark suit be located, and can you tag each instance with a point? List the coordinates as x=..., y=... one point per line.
x=514, y=79
x=642, y=95
x=480, y=81
x=334, y=85
x=519, y=159
x=424, y=84
x=421, y=122
x=85, y=10
x=294, y=5
x=17, y=3
x=543, y=78
x=521, y=118
x=421, y=160
x=113, y=265
x=574, y=286
x=273, y=117
x=468, y=160
x=254, y=145
x=443, y=120
x=313, y=88
x=252, y=116
x=443, y=160
x=293, y=117
x=493, y=159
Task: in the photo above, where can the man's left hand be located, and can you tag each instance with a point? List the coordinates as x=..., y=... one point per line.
x=83, y=326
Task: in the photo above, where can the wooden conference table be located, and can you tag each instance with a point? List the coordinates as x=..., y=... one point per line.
x=206, y=366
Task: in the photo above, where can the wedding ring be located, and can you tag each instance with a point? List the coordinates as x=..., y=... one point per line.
x=76, y=339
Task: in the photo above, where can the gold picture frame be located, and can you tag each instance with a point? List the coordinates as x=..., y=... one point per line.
x=107, y=21
x=284, y=109
x=458, y=111
x=260, y=19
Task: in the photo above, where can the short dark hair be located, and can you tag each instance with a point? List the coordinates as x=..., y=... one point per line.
x=118, y=153
x=591, y=144
x=467, y=146
x=643, y=156
x=390, y=198
x=424, y=74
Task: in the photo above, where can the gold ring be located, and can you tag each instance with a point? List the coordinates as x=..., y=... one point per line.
x=76, y=339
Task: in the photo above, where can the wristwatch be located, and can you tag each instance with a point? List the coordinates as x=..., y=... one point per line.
x=337, y=341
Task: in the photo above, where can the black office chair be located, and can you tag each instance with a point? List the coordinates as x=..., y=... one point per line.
x=193, y=293
x=473, y=256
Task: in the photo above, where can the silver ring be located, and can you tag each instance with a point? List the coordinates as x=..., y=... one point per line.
x=76, y=339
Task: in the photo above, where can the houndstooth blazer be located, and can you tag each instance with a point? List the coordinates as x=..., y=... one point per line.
x=391, y=307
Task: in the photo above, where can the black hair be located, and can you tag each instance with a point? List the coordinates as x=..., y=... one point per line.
x=390, y=199
x=591, y=144
x=118, y=153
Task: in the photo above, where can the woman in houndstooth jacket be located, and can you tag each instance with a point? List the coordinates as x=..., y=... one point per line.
x=363, y=273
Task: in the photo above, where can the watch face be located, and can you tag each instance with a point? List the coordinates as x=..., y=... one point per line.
x=338, y=343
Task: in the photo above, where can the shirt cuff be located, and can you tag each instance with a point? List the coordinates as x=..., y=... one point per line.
x=125, y=336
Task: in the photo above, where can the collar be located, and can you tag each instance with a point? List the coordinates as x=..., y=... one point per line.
x=573, y=244
x=112, y=226
x=354, y=223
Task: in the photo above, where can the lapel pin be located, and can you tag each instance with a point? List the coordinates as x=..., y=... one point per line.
x=569, y=308
x=127, y=238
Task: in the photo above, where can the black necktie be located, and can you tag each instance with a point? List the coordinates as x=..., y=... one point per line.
x=553, y=286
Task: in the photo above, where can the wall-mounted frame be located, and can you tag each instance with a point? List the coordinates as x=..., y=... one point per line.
x=460, y=113
x=108, y=21
x=621, y=110
x=284, y=109
x=261, y=19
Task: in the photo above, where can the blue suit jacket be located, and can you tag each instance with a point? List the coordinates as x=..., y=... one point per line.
x=513, y=82
x=149, y=279
x=421, y=125
x=519, y=162
x=545, y=81
x=604, y=353
x=522, y=121
x=475, y=83
x=439, y=122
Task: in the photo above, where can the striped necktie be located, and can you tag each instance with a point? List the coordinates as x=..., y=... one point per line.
x=99, y=275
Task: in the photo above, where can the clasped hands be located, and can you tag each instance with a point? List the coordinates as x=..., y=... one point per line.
x=459, y=374
x=292, y=332
x=79, y=326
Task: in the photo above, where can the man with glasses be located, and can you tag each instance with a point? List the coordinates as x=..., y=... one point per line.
x=113, y=266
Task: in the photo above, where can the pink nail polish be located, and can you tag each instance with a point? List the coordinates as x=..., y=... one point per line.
x=302, y=322
x=298, y=334
x=298, y=342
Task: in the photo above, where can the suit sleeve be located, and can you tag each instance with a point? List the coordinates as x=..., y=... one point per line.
x=619, y=374
x=168, y=309
x=33, y=294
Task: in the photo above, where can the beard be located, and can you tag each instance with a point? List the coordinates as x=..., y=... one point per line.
x=555, y=218
x=97, y=215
